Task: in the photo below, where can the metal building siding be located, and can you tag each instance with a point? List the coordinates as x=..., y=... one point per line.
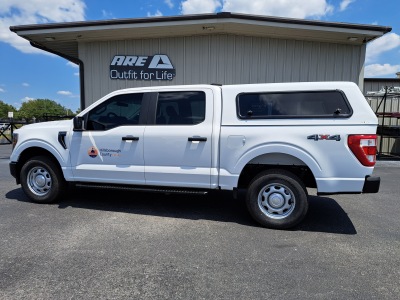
x=375, y=84
x=224, y=59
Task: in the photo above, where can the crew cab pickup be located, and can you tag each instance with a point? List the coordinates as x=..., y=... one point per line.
x=270, y=140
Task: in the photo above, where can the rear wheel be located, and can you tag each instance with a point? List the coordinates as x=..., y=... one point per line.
x=42, y=180
x=277, y=199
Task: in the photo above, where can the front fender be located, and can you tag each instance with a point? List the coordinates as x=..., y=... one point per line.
x=61, y=155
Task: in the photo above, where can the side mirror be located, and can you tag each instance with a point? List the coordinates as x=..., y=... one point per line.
x=79, y=124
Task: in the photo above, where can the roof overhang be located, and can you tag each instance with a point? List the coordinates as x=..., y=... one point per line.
x=63, y=38
x=396, y=80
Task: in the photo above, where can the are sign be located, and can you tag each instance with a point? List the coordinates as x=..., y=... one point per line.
x=139, y=67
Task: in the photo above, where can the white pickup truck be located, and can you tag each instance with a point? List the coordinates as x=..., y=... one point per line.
x=273, y=140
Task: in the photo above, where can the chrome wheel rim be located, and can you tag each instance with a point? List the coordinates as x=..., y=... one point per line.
x=276, y=201
x=39, y=181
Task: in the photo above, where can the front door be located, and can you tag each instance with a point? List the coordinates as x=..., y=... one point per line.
x=110, y=150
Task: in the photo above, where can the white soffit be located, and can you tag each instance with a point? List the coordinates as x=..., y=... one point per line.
x=63, y=38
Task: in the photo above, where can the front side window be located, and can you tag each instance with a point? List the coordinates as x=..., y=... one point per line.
x=181, y=108
x=117, y=111
x=322, y=104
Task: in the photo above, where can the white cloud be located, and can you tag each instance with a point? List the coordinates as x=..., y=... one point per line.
x=2, y=90
x=385, y=43
x=26, y=99
x=71, y=64
x=282, y=8
x=64, y=93
x=67, y=94
x=379, y=70
x=17, y=12
x=169, y=3
x=200, y=6
x=107, y=14
x=25, y=84
x=75, y=66
x=344, y=4
x=156, y=14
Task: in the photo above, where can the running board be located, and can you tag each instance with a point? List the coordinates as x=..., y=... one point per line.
x=164, y=190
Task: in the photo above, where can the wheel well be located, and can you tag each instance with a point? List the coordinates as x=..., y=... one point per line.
x=252, y=170
x=32, y=152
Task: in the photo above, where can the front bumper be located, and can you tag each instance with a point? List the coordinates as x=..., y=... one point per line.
x=14, y=171
x=371, y=184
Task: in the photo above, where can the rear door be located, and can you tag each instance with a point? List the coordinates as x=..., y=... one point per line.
x=178, y=145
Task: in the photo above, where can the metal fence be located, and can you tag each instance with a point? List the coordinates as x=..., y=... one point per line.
x=7, y=130
x=387, y=108
x=9, y=125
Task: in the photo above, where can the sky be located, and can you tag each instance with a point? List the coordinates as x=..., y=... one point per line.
x=27, y=73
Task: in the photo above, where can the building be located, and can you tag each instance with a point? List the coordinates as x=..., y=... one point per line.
x=224, y=48
x=376, y=84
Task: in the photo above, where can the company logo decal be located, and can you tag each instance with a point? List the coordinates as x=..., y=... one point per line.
x=104, y=152
x=93, y=152
x=133, y=67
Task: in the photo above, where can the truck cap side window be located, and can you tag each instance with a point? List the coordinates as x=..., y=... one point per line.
x=116, y=111
x=181, y=108
x=304, y=104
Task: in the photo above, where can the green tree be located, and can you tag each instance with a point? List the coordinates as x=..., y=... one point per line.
x=69, y=112
x=40, y=108
x=4, y=109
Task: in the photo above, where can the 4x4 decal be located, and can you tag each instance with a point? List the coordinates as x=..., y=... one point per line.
x=317, y=137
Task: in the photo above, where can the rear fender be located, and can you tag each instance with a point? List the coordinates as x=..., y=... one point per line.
x=279, y=154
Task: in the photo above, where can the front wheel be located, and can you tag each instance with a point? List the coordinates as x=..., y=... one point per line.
x=277, y=199
x=42, y=180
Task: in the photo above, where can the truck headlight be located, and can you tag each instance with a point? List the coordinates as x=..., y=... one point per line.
x=14, y=140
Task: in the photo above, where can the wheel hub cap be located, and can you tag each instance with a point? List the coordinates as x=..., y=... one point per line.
x=40, y=180
x=276, y=200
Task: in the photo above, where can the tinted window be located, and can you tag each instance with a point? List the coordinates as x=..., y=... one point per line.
x=293, y=104
x=181, y=108
x=116, y=111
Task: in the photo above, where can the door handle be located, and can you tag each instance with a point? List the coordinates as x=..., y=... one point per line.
x=130, y=138
x=197, y=139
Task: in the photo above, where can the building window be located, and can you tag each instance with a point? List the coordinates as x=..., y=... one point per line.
x=181, y=108
x=116, y=111
x=321, y=104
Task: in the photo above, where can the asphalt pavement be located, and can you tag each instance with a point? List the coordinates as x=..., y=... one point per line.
x=124, y=245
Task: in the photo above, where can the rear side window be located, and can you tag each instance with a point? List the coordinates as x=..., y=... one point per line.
x=315, y=104
x=181, y=108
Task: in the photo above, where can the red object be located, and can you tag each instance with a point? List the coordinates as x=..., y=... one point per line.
x=364, y=148
x=389, y=114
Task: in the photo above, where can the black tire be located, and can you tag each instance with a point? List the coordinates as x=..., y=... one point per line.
x=277, y=199
x=42, y=180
